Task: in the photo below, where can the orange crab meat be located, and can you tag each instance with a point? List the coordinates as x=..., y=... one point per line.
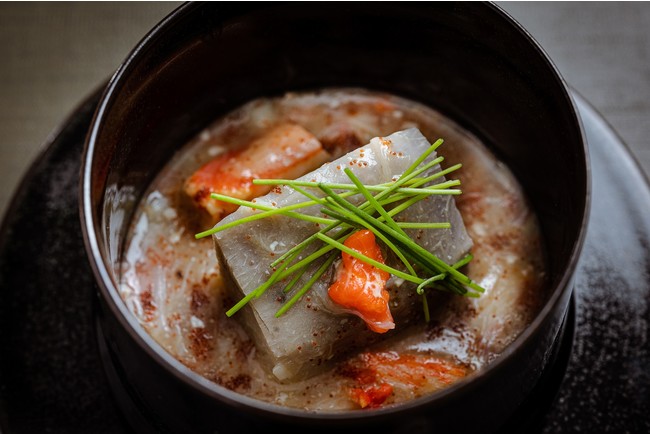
x=377, y=375
x=285, y=151
x=361, y=287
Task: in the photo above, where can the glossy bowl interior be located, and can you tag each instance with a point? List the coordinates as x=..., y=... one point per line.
x=470, y=61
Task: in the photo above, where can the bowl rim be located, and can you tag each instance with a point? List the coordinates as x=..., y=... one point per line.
x=108, y=289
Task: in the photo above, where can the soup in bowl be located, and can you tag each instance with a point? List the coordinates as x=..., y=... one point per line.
x=333, y=216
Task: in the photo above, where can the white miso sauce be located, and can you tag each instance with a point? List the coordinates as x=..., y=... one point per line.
x=171, y=282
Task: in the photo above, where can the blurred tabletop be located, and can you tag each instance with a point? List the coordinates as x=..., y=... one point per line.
x=55, y=54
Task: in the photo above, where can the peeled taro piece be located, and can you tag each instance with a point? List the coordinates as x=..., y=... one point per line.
x=315, y=332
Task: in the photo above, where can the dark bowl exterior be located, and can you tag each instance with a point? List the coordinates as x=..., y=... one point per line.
x=468, y=60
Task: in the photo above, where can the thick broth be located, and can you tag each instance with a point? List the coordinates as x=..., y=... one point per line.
x=172, y=284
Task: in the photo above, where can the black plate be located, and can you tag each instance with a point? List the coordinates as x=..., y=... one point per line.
x=51, y=375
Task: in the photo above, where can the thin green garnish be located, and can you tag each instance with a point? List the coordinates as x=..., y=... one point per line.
x=340, y=217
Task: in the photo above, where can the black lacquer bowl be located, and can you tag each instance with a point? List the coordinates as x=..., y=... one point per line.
x=470, y=61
